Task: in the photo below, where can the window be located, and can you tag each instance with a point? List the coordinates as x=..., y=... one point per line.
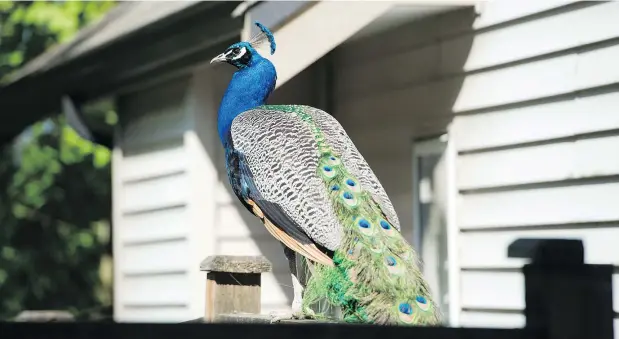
x=430, y=197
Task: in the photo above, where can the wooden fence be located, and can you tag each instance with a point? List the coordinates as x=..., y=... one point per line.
x=565, y=299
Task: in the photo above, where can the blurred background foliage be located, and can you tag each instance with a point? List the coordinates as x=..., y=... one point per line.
x=55, y=198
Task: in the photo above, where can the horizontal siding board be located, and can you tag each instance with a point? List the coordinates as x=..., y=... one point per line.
x=153, y=115
x=539, y=79
x=365, y=77
x=157, y=99
x=476, y=50
x=598, y=67
x=489, y=249
x=406, y=106
x=518, y=83
x=560, y=205
x=502, y=290
x=537, y=123
x=554, y=33
x=491, y=320
x=414, y=126
x=158, y=290
x=155, y=225
x=234, y=221
x=156, y=193
x=155, y=258
x=162, y=159
x=553, y=162
x=395, y=143
x=496, y=12
x=418, y=33
x=157, y=129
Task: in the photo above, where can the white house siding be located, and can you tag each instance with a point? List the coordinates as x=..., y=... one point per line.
x=527, y=92
x=536, y=128
x=150, y=193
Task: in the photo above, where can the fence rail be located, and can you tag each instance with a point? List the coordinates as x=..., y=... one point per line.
x=254, y=331
x=565, y=299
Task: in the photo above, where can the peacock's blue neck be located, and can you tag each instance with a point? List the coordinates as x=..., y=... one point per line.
x=249, y=88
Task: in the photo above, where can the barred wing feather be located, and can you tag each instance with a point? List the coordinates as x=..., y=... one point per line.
x=282, y=155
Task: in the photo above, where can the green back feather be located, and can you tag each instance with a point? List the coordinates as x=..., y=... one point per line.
x=376, y=278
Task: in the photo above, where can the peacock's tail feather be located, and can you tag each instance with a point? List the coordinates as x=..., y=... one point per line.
x=376, y=277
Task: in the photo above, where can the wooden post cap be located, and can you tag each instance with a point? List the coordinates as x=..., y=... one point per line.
x=236, y=264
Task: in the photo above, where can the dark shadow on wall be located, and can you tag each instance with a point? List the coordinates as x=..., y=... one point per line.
x=400, y=86
x=393, y=89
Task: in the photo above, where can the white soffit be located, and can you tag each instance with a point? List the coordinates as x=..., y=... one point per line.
x=314, y=32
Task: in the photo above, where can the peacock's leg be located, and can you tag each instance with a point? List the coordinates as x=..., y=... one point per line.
x=297, y=278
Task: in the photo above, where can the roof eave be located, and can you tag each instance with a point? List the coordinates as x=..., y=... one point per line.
x=186, y=38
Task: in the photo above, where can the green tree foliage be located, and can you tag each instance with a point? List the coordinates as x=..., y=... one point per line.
x=55, y=200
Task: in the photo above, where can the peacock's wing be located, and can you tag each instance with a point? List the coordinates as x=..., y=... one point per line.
x=277, y=162
x=339, y=140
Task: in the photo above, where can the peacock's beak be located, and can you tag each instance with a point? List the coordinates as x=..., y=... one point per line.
x=220, y=58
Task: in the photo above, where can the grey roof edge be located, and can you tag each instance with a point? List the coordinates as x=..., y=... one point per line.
x=62, y=53
x=165, y=47
x=272, y=14
x=275, y=14
x=244, y=7
x=107, y=56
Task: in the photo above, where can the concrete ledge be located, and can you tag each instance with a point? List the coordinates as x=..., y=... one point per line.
x=249, y=318
x=244, y=318
x=44, y=316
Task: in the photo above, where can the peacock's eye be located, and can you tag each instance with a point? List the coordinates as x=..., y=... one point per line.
x=236, y=51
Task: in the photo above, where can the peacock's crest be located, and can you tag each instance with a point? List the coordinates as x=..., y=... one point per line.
x=264, y=35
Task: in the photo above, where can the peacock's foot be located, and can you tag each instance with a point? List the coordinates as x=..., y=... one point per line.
x=291, y=315
x=279, y=316
x=308, y=313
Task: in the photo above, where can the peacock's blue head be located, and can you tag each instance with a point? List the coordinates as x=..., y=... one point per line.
x=239, y=55
x=243, y=54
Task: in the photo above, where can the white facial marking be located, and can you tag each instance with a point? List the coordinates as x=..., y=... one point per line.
x=241, y=53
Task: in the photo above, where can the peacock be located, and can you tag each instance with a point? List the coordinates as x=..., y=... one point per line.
x=295, y=168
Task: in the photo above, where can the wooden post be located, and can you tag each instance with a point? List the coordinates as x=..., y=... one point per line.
x=565, y=298
x=233, y=284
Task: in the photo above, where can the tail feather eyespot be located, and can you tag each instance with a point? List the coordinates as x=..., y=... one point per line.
x=328, y=171
x=349, y=199
x=387, y=228
x=406, y=312
x=393, y=264
x=422, y=303
x=365, y=226
x=332, y=160
x=352, y=184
